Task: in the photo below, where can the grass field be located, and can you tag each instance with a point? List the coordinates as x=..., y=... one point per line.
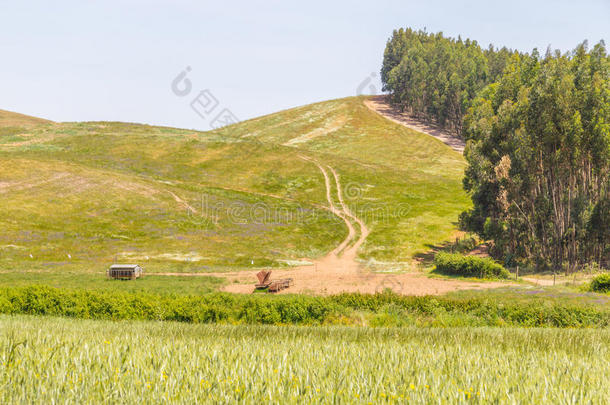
x=60, y=360
x=78, y=196
x=97, y=282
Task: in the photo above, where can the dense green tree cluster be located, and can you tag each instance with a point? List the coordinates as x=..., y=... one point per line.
x=436, y=78
x=538, y=139
x=539, y=159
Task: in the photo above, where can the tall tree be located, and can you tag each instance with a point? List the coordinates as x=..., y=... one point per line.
x=437, y=78
x=539, y=159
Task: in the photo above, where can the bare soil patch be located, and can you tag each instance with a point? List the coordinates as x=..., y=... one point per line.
x=381, y=105
x=330, y=276
x=480, y=251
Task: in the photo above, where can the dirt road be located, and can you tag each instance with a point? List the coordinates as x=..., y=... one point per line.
x=380, y=105
x=340, y=271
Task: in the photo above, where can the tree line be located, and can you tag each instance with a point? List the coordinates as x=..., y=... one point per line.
x=538, y=140
x=436, y=78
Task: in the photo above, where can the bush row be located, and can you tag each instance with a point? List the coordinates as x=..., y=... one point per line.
x=468, y=266
x=380, y=309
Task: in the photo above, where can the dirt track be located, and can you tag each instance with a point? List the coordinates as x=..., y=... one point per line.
x=327, y=277
x=339, y=271
x=380, y=105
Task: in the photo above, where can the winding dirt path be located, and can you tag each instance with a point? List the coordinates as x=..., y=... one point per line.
x=182, y=202
x=381, y=106
x=364, y=231
x=341, y=213
x=339, y=271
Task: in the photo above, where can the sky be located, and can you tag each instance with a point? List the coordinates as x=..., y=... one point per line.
x=117, y=60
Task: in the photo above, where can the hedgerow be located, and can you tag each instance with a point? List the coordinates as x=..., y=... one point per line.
x=380, y=309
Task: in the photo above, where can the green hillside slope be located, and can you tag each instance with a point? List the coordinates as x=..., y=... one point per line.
x=81, y=195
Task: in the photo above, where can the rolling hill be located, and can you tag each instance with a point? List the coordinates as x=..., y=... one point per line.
x=77, y=196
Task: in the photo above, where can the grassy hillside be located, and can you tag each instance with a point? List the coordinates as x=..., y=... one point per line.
x=15, y=120
x=77, y=196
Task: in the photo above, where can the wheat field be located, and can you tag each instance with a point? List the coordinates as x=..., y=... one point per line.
x=50, y=360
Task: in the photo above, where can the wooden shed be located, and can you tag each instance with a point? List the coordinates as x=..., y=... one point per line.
x=125, y=271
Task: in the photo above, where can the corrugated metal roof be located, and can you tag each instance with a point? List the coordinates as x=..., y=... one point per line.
x=124, y=266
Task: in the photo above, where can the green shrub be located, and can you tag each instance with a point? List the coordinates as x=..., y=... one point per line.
x=601, y=283
x=468, y=266
x=385, y=309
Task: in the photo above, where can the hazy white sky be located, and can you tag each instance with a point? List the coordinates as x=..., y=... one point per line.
x=115, y=60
